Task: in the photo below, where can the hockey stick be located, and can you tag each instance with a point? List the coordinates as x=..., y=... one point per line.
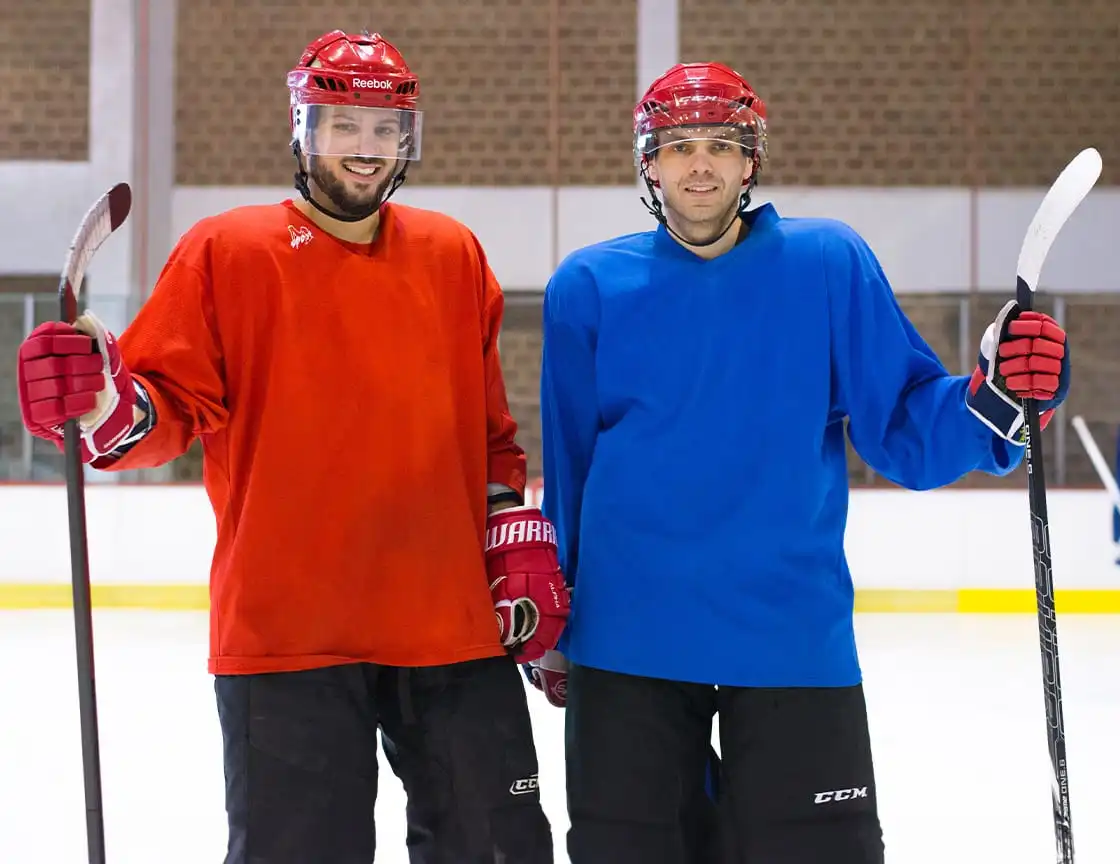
x=102, y=219
x=1096, y=457
x=1069, y=189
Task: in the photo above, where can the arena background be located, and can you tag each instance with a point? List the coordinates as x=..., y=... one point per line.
x=933, y=128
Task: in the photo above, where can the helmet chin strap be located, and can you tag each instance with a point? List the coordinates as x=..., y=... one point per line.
x=301, y=184
x=657, y=211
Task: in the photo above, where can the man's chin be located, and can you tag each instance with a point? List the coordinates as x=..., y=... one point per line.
x=361, y=204
x=713, y=212
x=354, y=204
x=703, y=222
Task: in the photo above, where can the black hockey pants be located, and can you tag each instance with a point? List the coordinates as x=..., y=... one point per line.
x=796, y=784
x=301, y=764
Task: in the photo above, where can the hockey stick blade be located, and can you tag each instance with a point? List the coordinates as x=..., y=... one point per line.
x=1098, y=460
x=1067, y=192
x=102, y=219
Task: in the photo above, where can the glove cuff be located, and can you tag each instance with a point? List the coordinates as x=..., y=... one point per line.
x=552, y=661
x=995, y=409
x=987, y=398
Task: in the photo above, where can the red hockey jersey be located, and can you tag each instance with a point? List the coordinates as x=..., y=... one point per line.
x=352, y=410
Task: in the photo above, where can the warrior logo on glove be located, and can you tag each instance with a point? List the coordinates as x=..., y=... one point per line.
x=530, y=597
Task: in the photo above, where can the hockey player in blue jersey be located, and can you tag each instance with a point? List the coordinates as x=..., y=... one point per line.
x=695, y=384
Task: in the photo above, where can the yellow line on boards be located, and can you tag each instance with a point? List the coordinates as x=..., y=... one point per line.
x=987, y=601
x=165, y=598
x=982, y=601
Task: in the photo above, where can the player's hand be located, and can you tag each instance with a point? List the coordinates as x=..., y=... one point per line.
x=75, y=372
x=530, y=597
x=549, y=674
x=1023, y=355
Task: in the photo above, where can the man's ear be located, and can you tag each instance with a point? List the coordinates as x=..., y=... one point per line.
x=749, y=170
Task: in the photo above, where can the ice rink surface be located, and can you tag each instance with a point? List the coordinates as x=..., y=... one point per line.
x=957, y=721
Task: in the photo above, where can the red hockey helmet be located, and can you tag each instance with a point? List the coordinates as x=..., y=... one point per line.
x=360, y=79
x=699, y=96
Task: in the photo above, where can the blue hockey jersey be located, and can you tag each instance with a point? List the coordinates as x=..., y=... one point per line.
x=693, y=444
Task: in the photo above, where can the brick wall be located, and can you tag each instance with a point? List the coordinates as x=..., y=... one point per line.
x=897, y=92
x=44, y=80
x=876, y=92
x=857, y=92
x=485, y=78
x=1050, y=86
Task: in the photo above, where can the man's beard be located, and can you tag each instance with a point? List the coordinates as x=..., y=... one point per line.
x=335, y=189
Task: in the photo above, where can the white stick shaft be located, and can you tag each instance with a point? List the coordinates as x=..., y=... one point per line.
x=1095, y=456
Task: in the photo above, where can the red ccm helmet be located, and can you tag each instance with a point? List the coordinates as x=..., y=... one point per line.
x=353, y=95
x=699, y=101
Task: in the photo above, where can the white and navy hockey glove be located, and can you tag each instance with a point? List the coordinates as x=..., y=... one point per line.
x=1023, y=355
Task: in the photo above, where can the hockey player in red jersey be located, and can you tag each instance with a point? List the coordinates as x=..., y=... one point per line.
x=375, y=566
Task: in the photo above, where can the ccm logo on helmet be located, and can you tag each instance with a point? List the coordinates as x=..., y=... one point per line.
x=372, y=84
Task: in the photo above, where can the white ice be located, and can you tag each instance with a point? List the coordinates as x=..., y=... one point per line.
x=957, y=720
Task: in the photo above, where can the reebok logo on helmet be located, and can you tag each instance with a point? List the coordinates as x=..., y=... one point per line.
x=372, y=84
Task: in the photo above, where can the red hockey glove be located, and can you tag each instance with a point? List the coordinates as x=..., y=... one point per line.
x=530, y=597
x=549, y=674
x=75, y=373
x=1022, y=356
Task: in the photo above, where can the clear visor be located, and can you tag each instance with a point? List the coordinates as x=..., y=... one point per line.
x=732, y=140
x=697, y=118
x=349, y=130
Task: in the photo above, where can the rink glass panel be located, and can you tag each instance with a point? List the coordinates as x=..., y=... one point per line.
x=26, y=302
x=952, y=323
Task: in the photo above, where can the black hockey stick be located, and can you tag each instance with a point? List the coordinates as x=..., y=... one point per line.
x=1068, y=191
x=102, y=219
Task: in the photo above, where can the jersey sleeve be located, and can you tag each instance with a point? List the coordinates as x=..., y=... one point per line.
x=506, y=463
x=570, y=419
x=173, y=351
x=907, y=416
